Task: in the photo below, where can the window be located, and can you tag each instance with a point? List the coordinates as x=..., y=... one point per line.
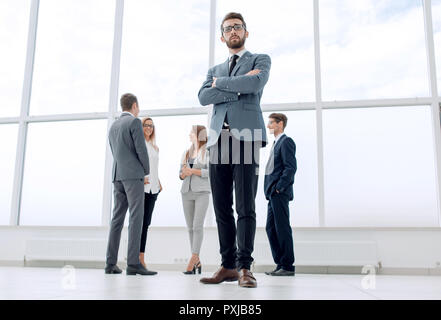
x=284, y=31
x=64, y=173
x=172, y=138
x=7, y=166
x=436, y=16
x=164, y=55
x=372, y=49
x=304, y=208
x=379, y=162
x=73, y=57
x=379, y=167
x=14, y=22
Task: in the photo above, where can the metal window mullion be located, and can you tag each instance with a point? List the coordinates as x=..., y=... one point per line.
x=319, y=116
x=211, y=63
x=212, y=35
x=436, y=126
x=66, y=117
x=24, y=111
x=174, y=112
x=10, y=120
x=113, y=106
x=348, y=104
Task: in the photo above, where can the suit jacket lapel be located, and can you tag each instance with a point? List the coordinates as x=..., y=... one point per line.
x=241, y=61
x=270, y=164
x=278, y=143
x=226, y=68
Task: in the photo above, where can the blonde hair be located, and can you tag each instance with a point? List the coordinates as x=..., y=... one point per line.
x=153, y=135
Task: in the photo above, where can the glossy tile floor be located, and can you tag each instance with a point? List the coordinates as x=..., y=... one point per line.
x=67, y=283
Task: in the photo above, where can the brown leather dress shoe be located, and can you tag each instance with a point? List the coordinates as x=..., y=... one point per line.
x=247, y=279
x=221, y=275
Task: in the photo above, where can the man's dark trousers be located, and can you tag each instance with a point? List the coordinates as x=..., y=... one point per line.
x=278, y=229
x=235, y=164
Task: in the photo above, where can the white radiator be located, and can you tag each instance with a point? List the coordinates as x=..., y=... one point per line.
x=307, y=253
x=69, y=249
x=321, y=253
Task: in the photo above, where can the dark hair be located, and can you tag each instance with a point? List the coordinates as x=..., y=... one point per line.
x=279, y=117
x=127, y=100
x=233, y=15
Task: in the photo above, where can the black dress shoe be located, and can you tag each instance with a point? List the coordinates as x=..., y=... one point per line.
x=112, y=269
x=283, y=273
x=271, y=272
x=133, y=270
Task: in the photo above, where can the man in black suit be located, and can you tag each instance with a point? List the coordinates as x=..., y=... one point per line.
x=278, y=185
x=237, y=132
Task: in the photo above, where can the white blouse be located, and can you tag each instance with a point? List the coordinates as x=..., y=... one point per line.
x=153, y=177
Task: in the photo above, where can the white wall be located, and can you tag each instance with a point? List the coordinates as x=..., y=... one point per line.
x=406, y=249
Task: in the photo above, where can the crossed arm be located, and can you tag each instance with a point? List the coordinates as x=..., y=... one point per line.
x=252, y=82
x=210, y=95
x=224, y=89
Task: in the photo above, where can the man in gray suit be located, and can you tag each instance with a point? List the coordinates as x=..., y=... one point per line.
x=237, y=132
x=130, y=166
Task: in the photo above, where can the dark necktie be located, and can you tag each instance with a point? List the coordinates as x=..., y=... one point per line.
x=233, y=63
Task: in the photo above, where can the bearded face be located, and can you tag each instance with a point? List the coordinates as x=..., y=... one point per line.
x=234, y=39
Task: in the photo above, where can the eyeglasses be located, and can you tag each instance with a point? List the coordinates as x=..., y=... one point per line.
x=148, y=126
x=237, y=27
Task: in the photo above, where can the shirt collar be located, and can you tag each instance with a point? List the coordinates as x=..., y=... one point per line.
x=240, y=54
x=278, y=137
x=127, y=113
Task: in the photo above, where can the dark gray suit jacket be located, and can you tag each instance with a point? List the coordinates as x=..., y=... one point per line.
x=127, y=142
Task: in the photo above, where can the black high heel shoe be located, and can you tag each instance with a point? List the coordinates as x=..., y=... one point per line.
x=197, y=267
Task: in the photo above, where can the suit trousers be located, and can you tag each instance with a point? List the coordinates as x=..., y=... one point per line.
x=195, y=209
x=279, y=231
x=149, y=205
x=234, y=165
x=128, y=194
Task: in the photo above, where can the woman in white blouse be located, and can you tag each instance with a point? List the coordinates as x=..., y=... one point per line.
x=195, y=192
x=153, y=187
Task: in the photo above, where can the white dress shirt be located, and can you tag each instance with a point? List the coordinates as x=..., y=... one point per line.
x=277, y=139
x=240, y=54
x=153, y=177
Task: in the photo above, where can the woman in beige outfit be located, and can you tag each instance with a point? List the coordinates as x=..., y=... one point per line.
x=195, y=192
